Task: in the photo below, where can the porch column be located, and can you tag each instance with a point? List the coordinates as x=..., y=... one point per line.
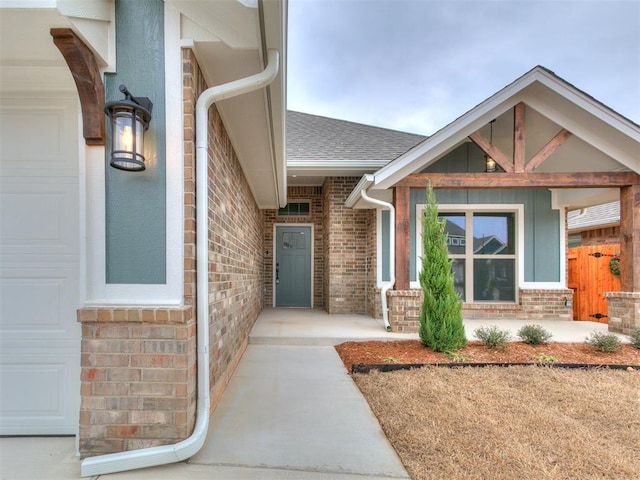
x=630, y=238
x=401, y=202
x=623, y=308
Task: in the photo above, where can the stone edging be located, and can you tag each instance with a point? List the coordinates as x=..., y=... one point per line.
x=384, y=367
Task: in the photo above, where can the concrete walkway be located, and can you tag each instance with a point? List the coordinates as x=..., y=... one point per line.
x=290, y=410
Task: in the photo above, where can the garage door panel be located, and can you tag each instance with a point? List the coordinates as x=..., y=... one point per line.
x=39, y=218
x=52, y=122
x=38, y=303
x=36, y=392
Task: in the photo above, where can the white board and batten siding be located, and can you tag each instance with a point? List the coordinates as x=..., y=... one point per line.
x=39, y=265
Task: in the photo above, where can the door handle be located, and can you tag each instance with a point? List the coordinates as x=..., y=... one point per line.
x=277, y=273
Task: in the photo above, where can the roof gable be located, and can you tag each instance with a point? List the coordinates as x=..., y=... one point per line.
x=554, y=99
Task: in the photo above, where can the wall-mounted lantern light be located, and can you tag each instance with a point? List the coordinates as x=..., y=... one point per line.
x=130, y=118
x=490, y=163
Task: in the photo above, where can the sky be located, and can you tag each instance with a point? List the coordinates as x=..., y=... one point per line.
x=417, y=65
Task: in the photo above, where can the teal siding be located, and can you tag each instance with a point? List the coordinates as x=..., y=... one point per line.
x=541, y=222
x=135, y=201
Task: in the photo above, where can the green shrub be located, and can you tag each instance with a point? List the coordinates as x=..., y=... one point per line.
x=635, y=337
x=604, y=342
x=544, y=358
x=441, y=325
x=534, y=334
x=493, y=336
x=457, y=357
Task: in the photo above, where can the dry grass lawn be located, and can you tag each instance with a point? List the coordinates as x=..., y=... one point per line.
x=510, y=423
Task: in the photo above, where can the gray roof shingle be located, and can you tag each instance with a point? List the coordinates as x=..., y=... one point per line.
x=311, y=138
x=594, y=217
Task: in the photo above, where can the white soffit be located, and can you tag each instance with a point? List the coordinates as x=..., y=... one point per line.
x=229, y=44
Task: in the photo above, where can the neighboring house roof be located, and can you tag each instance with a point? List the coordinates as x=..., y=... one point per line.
x=602, y=139
x=318, y=144
x=599, y=216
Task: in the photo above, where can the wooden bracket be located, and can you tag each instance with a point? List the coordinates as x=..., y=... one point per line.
x=86, y=74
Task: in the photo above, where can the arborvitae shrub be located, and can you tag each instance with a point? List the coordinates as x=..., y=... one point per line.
x=441, y=325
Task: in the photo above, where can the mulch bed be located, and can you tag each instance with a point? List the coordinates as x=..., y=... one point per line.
x=403, y=352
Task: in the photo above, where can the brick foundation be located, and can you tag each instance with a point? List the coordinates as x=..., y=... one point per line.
x=138, y=379
x=623, y=310
x=405, y=305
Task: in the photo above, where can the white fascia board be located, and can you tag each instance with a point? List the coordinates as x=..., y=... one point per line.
x=451, y=135
x=589, y=104
x=336, y=165
x=618, y=140
x=24, y=4
x=275, y=37
x=495, y=105
x=355, y=195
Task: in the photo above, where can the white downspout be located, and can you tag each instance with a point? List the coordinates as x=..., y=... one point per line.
x=154, y=456
x=392, y=252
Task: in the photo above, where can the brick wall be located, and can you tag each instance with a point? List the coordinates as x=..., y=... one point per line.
x=138, y=364
x=296, y=194
x=345, y=249
x=404, y=308
x=623, y=310
x=236, y=242
x=600, y=236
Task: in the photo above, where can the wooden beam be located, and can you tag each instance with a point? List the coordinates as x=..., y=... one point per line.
x=491, y=150
x=519, y=137
x=86, y=74
x=630, y=238
x=521, y=180
x=544, y=153
x=401, y=202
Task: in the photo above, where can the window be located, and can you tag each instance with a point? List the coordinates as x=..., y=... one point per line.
x=299, y=209
x=482, y=247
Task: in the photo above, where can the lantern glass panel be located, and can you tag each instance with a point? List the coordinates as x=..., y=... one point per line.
x=128, y=141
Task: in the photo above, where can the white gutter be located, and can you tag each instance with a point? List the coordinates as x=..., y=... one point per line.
x=154, y=456
x=392, y=247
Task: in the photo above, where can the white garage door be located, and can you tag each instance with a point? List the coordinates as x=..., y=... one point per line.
x=39, y=266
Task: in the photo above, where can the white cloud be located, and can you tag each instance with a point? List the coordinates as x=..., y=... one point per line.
x=418, y=65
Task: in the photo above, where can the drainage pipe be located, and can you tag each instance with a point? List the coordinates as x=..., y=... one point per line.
x=154, y=456
x=392, y=252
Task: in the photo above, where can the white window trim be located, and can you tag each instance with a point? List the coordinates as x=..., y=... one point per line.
x=297, y=200
x=273, y=266
x=475, y=208
x=519, y=209
x=98, y=292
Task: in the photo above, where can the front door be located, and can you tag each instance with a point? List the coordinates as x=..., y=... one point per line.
x=293, y=266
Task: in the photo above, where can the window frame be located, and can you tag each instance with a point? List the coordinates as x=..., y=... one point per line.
x=469, y=210
x=298, y=215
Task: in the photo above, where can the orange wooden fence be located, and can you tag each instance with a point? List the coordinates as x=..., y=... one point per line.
x=589, y=277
